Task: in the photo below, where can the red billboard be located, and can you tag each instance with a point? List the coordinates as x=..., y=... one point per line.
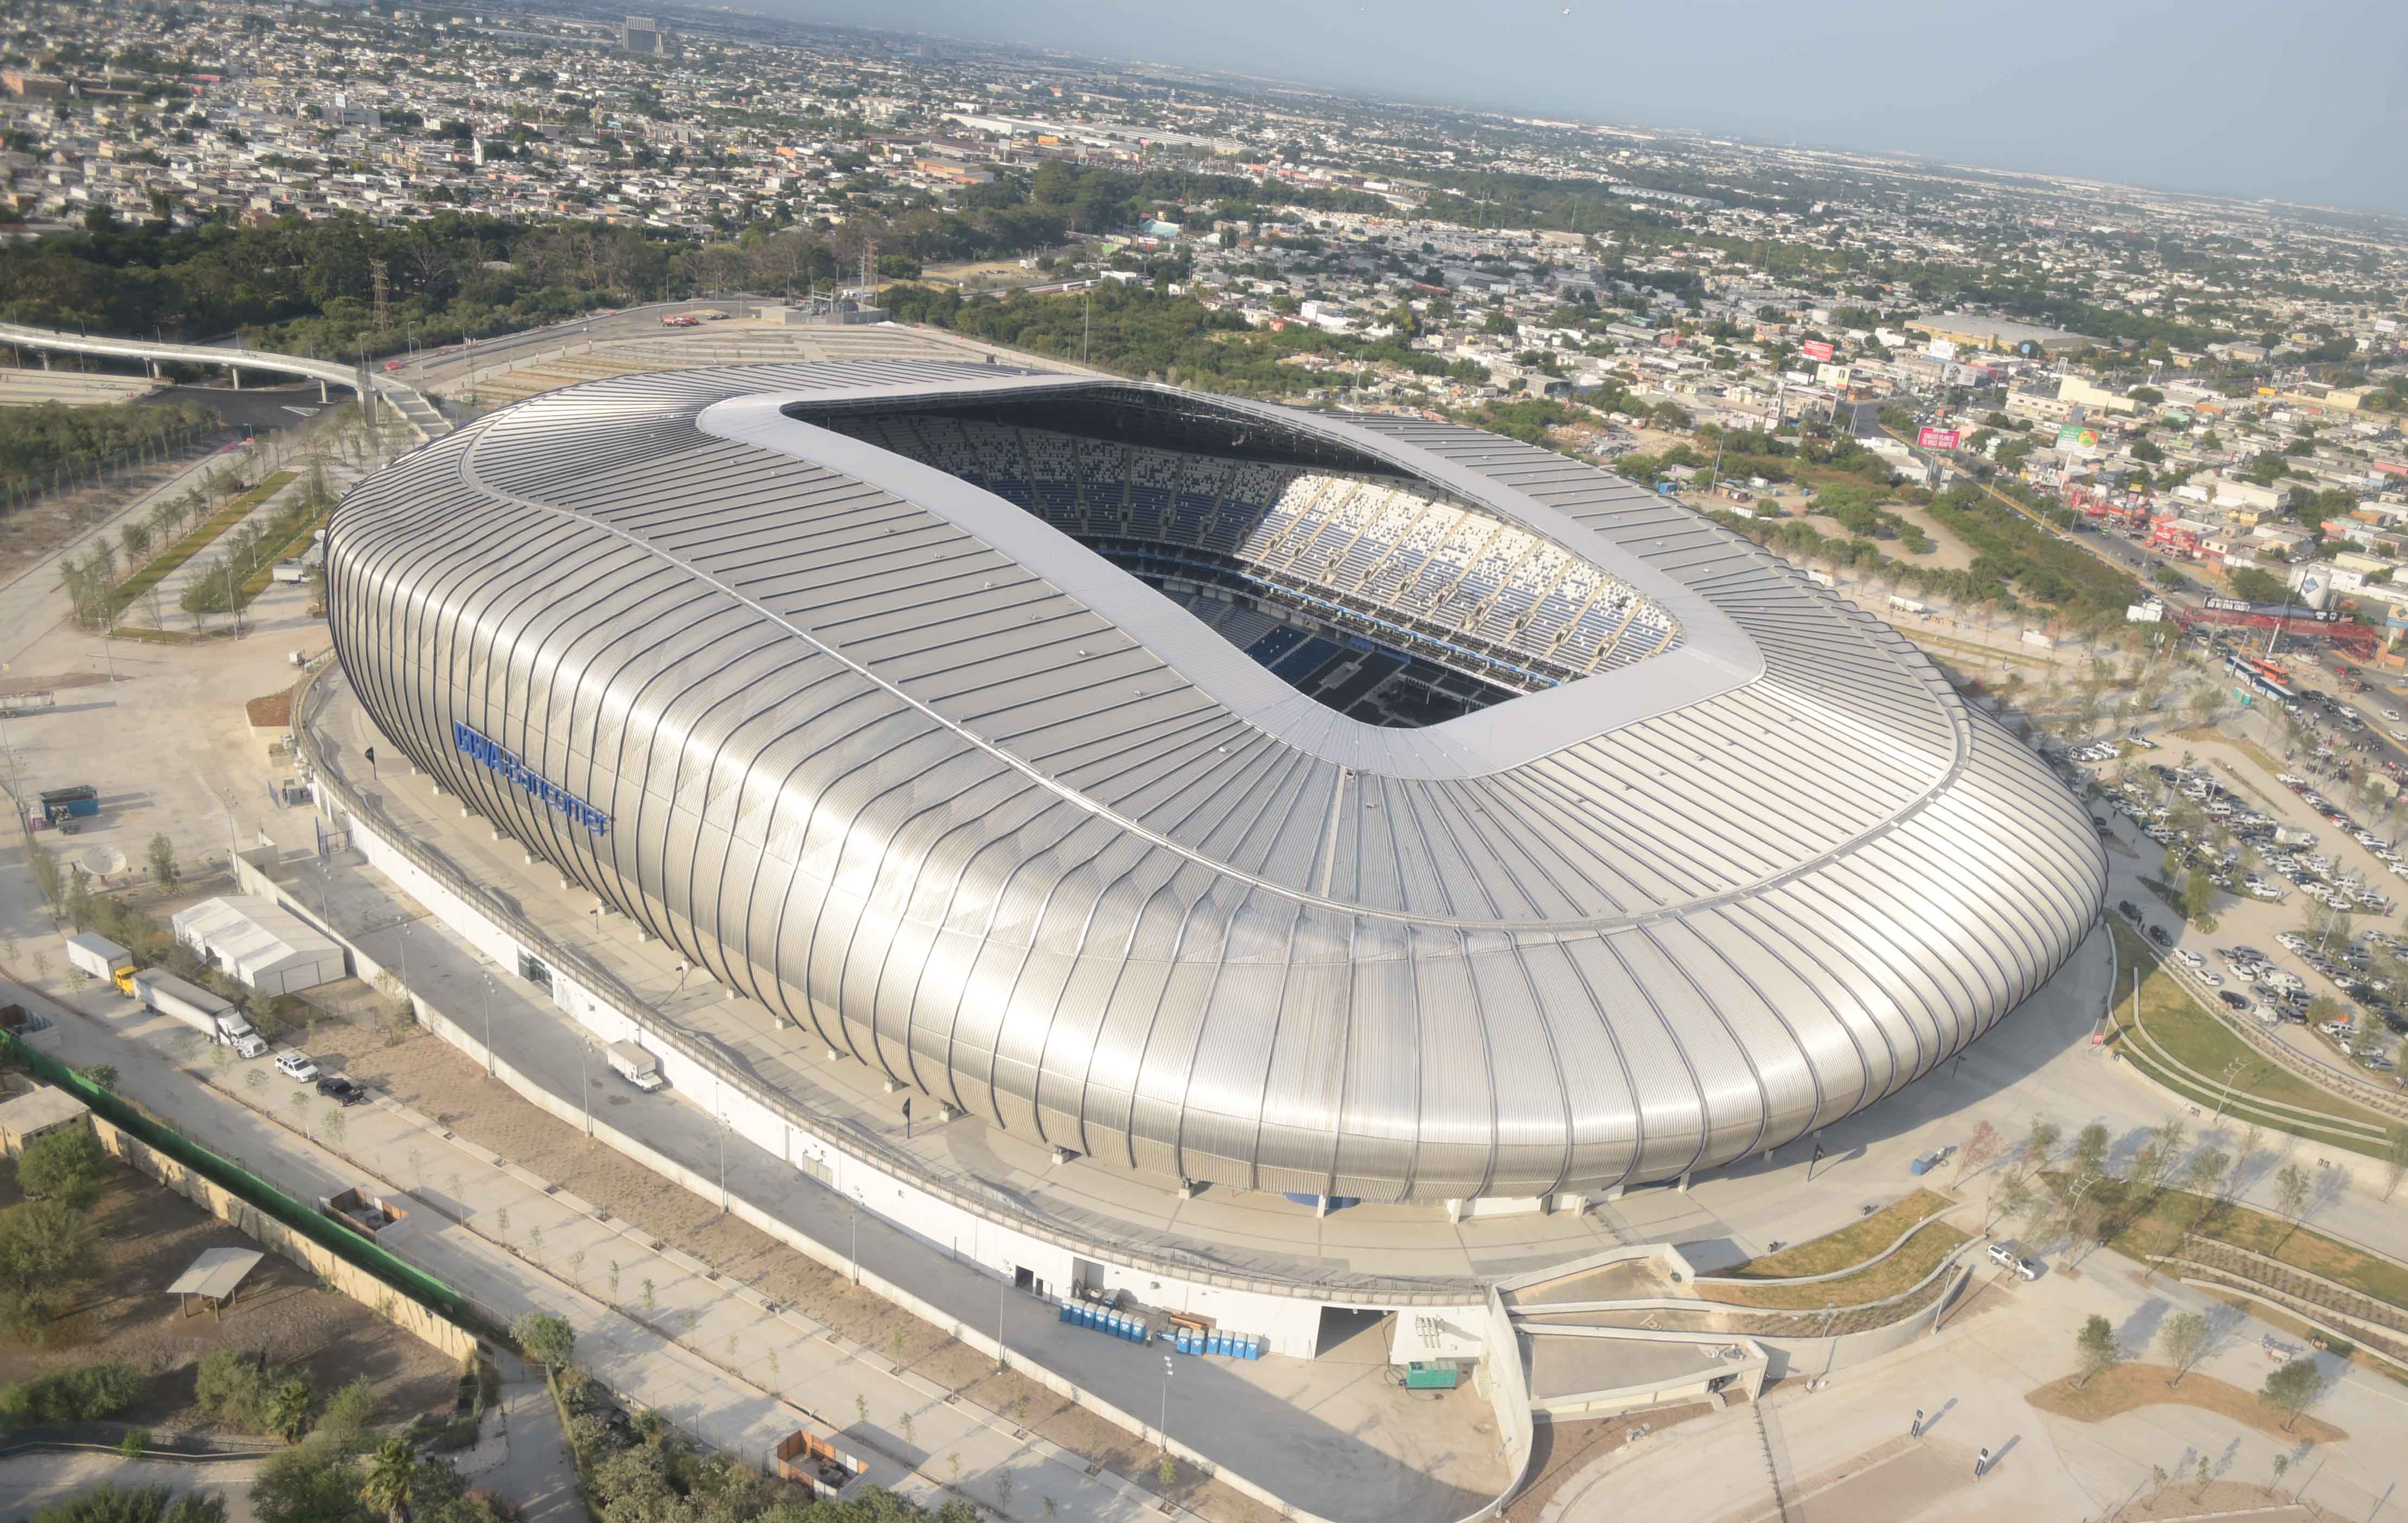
x=1815, y=349
x=1936, y=438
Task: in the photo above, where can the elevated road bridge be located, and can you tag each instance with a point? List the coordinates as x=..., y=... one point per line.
x=235, y=360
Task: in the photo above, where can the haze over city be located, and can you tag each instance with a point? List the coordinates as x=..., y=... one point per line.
x=2301, y=103
x=1105, y=763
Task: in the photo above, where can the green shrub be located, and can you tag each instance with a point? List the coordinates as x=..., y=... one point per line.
x=69, y=1166
x=70, y=1396
x=233, y=1387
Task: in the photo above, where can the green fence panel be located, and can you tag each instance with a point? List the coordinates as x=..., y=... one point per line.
x=409, y=1279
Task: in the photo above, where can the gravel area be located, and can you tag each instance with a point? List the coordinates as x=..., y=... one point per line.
x=151, y=1234
x=428, y=1074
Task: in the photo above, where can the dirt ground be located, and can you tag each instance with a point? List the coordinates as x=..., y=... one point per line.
x=1559, y=1451
x=151, y=1235
x=428, y=1074
x=30, y=533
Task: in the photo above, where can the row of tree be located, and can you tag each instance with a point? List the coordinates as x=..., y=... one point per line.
x=39, y=443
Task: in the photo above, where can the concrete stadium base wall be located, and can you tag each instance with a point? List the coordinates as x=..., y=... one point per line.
x=1290, y=1325
x=445, y=1337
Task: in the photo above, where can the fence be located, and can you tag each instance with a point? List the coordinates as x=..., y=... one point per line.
x=1015, y=1211
x=259, y=1209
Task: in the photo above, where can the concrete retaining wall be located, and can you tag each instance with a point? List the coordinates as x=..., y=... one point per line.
x=445, y=1337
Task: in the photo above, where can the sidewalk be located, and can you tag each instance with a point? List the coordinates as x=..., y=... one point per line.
x=708, y=1355
x=1844, y=1451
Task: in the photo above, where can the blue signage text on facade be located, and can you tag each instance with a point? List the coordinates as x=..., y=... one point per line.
x=505, y=762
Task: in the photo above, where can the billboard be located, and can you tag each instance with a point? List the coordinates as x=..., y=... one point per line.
x=1936, y=438
x=1834, y=375
x=1815, y=349
x=2075, y=437
x=1942, y=349
x=2274, y=610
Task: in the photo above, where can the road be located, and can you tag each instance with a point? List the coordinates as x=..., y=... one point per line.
x=653, y=1325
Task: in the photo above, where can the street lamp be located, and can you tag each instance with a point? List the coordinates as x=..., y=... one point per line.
x=853, y=1219
x=485, y=996
x=1163, y=1428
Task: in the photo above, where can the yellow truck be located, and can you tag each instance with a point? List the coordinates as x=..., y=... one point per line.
x=103, y=959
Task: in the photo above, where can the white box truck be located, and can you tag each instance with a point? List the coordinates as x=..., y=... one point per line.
x=102, y=958
x=634, y=1065
x=197, y=1008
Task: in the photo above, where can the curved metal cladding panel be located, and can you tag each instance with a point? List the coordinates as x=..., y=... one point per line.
x=899, y=761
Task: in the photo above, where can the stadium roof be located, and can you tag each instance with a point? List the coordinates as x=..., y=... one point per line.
x=908, y=763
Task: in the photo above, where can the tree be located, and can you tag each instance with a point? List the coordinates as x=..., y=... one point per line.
x=2292, y=1190
x=2395, y=1161
x=163, y=860
x=2186, y=1339
x=288, y=1410
x=546, y=1339
x=2039, y=1141
x=2089, y=1156
x=2095, y=1347
x=2293, y=1388
x=47, y=1248
x=1979, y=1149
x=392, y=1480
x=314, y=1482
x=2013, y=1198
x=110, y=1502
x=68, y=1166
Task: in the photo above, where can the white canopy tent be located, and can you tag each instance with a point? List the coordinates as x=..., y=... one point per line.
x=260, y=942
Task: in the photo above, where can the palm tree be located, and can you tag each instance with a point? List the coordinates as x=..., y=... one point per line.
x=392, y=1480
x=288, y=1410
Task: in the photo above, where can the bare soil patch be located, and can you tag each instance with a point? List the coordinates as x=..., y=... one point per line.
x=2129, y=1386
x=431, y=1076
x=151, y=1234
x=1560, y=1451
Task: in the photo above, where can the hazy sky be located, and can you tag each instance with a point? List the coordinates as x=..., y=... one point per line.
x=2301, y=99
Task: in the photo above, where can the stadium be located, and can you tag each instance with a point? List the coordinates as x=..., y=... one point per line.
x=1343, y=806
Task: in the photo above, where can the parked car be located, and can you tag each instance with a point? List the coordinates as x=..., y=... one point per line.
x=2004, y=1254
x=342, y=1090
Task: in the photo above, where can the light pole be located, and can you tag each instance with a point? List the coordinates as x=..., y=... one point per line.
x=1163, y=1428
x=852, y=1220
x=485, y=998
x=584, y=1084
x=1002, y=1287
x=720, y=1118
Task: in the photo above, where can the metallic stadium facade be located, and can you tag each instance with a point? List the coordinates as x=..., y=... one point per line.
x=896, y=750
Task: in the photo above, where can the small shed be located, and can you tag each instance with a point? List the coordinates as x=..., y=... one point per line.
x=260, y=942
x=213, y=1277
x=37, y=1112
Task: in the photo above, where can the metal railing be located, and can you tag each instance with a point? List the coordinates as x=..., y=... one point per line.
x=1005, y=1208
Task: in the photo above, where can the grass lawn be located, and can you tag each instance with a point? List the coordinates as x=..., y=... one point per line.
x=299, y=541
x=2127, y=1386
x=2158, y=1229
x=197, y=540
x=1850, y=1245
x=2194, y=1036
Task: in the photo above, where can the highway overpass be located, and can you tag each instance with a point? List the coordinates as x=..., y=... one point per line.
x=405, y=400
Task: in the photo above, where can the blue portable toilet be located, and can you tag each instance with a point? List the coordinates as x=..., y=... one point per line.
x=1254, y=1349
x=1216, y=1343
x=1064, y=1311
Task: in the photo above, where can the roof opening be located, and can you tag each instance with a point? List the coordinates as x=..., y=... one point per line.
x=1377, y=595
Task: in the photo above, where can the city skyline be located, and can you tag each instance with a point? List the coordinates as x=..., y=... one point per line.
x=2219, y=109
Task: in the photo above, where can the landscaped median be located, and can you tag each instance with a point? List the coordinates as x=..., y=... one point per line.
x=123, y=596
x=1861, y=1263
x=2183, y=1045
